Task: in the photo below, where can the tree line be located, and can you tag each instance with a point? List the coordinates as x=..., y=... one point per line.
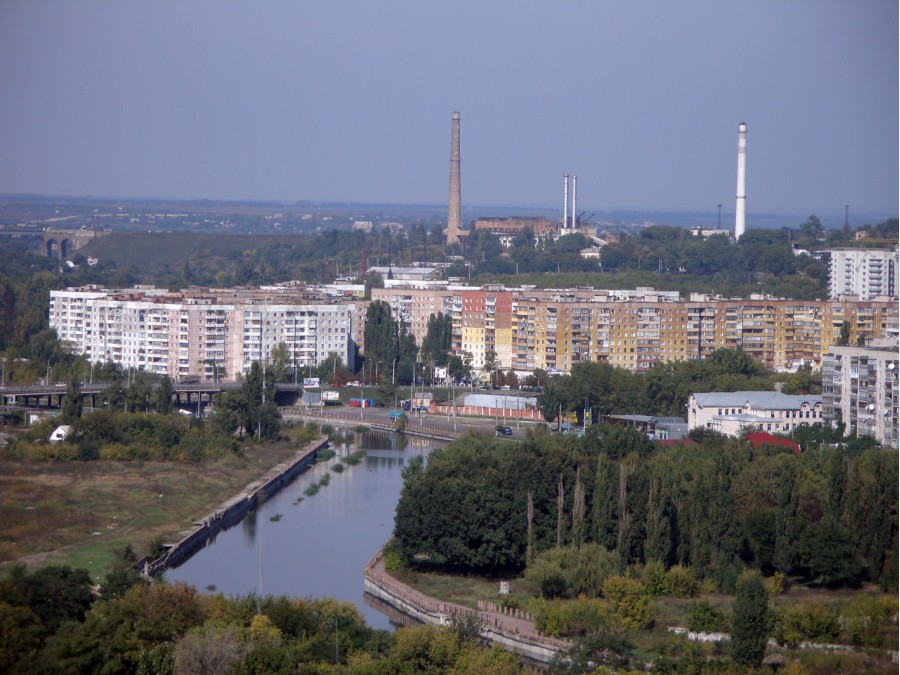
x=486, y=506
x=52, y=621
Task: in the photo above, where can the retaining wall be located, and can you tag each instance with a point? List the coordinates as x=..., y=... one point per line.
x=511, y=629
x=233, y=510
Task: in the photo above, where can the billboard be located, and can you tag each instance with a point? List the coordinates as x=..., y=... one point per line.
x=330, y=396
x=310, y=382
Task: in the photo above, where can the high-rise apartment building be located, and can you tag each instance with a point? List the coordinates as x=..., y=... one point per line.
x=207, y=334
x=860, y=388
x=861, y=273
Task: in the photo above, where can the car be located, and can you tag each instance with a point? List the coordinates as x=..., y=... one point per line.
x=506, y=431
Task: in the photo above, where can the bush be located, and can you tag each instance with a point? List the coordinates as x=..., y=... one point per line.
x=705, y=617
x=630, y=605
x=559, y=618
x=681, y=582
x=863, y=617
x=114, y=452
x=655, y=579
x=813, y=622
x=571, y=571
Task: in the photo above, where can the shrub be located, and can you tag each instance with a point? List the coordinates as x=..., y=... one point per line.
x=114, y=452
x=393, y=559
x=681, y=582
x=570, y=571
x=583, y=616
x=311, y=490
x=863, y=616
x=705, y=617
x=629, y=602
x=813, y=622
x=338, y=468
x=655, y=579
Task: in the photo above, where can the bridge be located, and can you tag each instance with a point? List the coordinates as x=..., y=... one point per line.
x=57, y=244
x=189, y=396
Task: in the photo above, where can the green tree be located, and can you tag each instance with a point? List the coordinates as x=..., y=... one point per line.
x=72, y=401
x=280, y=362
x=438, y=340
x=163, y=396
x=751, y=623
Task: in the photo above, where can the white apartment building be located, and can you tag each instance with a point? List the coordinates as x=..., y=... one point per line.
x=862, y=273
x=860, y=388
x=208, y=334
x=732, y=413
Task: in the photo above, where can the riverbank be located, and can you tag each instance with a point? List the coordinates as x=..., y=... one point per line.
x=79, y=513
x=233, y=510
x=509, y=628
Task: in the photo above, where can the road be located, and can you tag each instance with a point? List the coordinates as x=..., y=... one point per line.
x=452, y=425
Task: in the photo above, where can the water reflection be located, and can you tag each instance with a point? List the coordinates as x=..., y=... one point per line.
x=317, y=545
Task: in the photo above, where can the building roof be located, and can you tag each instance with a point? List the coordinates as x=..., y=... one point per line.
x=761, y=438
x=769, y=400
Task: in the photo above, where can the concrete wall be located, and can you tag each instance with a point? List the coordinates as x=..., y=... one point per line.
x=233, y=510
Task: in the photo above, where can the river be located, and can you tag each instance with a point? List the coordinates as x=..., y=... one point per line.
x=313, y=546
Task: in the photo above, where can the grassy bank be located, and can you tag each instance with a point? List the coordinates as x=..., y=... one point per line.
x=77, y=513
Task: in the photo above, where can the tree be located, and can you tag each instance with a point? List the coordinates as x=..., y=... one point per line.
x=280, y=361
x=438, y=340
x=163, y=396
x=72, y=401
x=751, y=623
x=458, y=370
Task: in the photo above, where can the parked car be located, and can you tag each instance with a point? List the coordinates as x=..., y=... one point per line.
x=506, y=431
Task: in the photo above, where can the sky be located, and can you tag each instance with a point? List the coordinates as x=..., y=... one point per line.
x=352, y=101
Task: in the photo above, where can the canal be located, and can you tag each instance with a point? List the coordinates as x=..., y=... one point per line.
x=314, y=546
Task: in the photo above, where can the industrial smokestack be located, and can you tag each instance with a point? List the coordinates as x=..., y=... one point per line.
x=565, y=200
x=740, y=211
x=574, y=212
x=454, y=205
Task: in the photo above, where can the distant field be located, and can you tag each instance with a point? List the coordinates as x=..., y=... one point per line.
x=78, y=512
x=153, y=252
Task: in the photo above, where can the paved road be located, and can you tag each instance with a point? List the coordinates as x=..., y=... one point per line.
x=452, y=425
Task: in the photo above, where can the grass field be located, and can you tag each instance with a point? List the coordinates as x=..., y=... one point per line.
x=78, y=513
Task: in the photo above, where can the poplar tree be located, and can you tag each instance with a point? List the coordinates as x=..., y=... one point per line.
x=751, y=623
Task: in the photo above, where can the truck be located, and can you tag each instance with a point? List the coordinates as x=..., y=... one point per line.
x=361, y=403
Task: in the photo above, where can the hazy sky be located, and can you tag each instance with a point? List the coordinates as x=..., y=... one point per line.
x=351, y=101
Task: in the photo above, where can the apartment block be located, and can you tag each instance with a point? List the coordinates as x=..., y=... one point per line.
x=211, y=334
x=861, y=273
x=860, y=388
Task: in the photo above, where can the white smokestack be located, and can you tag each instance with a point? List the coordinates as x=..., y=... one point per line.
x=574, y=212
x=565, y=200
x=740, y=211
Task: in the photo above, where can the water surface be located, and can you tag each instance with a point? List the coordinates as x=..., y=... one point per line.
x=314, y=546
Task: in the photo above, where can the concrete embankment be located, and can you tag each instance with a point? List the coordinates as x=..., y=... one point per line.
x=512, y=629
x=231, y=511
x=420, y=430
